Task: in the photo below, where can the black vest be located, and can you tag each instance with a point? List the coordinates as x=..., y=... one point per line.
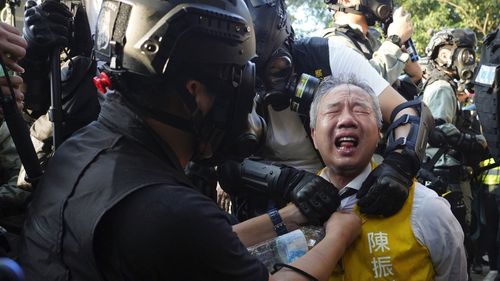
x=89, y=174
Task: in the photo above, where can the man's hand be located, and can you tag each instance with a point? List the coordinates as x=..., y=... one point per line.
x=223, y=199
x=401, y=25
x=315, y=197
x=12, y=47
x=413, y=70
x=385, y=190
x=46, y=26
x=16, y=85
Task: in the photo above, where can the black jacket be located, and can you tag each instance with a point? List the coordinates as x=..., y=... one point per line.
x=90, y=173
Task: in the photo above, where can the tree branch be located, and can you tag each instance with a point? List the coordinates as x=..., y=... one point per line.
x=463, y=12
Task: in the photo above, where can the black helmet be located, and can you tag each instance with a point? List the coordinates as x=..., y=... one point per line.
x=273, y=28
x=142, y=36
x=152, y=47
x=462, y=61
x=450, y=36
x=372, y=10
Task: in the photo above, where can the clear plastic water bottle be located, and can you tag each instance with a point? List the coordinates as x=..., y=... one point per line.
x=288, y=247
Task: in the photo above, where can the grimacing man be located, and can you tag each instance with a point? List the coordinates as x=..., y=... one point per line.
x=280, y=61
x=423, y=240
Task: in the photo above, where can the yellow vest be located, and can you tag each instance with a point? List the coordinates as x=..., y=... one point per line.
x=387, y=249
x=491, y=176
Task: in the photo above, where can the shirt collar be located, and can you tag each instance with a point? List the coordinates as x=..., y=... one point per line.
x=357, y=181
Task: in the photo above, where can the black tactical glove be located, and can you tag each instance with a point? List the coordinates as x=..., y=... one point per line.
x=46, y=26
x=315, y=197
x=468, y=143
x=437, y=138
x=385, y=190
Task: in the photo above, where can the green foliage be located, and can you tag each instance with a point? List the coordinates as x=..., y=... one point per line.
x=432, y=15
x=308, y=16
x=428, y=16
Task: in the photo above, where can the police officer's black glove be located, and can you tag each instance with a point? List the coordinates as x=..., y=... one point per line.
x=315, y=197
x=437, y=138
x=46, y=26
x=385, y=190
x=468, y=143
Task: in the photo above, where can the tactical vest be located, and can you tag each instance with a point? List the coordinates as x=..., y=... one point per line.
x=386, y=252
x=437, y=75
x=78, y=190
x=486, y=99
x=357, y=38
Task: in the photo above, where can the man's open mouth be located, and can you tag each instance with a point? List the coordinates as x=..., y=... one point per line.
x=346, y=142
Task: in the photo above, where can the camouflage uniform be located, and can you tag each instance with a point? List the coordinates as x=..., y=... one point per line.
x=10, y=194
x=387, y=58
x=443, y=103
x=41, y=137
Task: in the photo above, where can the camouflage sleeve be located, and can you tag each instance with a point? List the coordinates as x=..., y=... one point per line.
x=9, y=165
x=389, y=60
x=440, y=98
x=41, y=137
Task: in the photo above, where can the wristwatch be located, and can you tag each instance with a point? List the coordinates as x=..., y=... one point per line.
x=394, y=39
x=279, y=226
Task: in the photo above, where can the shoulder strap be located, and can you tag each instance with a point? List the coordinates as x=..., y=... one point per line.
x=429, y=166
x=438, y=75
x=358, y=39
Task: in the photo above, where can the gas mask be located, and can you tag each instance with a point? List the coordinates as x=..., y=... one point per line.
x=376, y=10
x=282, y=88
x=373, y=10
x=231, y=129
x=461, y=60
x=464, y=61
x=277, y=74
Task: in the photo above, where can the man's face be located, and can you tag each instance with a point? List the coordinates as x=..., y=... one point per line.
x=346, y=132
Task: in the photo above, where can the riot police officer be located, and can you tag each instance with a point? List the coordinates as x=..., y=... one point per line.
x=115, y=203
x=451, y=53
x=354, y=26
